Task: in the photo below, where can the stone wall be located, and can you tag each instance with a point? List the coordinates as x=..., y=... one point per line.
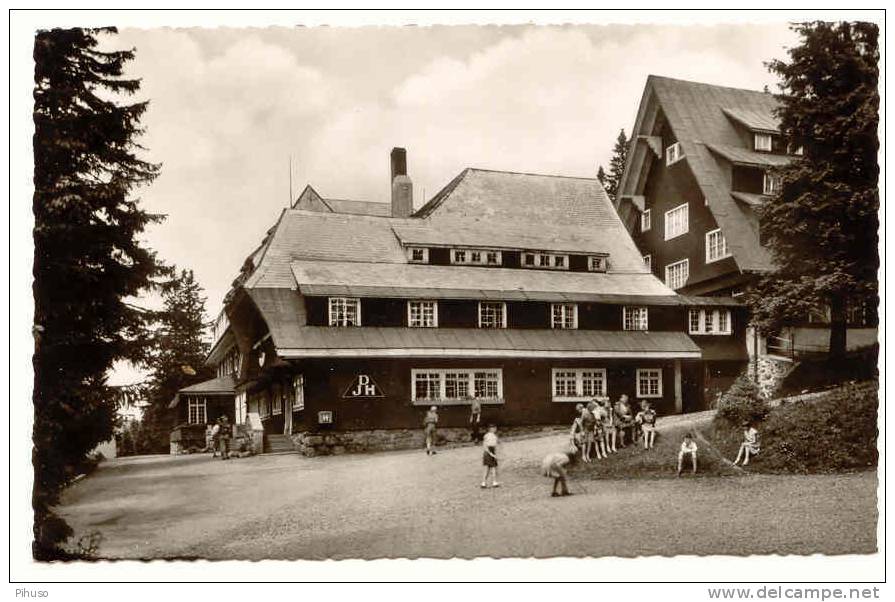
x=771, y=372
x=341, y=442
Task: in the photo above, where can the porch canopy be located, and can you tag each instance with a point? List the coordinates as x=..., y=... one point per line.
x=224, y=385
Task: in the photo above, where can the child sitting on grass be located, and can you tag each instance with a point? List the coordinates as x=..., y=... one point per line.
x=749, y=446
x=489, y=456
x=688, y=448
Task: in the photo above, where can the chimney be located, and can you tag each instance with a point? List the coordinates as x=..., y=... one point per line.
x=402, y=186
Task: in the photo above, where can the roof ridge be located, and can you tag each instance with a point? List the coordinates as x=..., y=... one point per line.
x=706, y=84
x=529, y=173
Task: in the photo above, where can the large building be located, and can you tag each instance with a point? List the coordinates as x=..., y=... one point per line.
x=701, y=161
x=523, y=291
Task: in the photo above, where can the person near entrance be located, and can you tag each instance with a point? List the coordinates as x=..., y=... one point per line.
x=216, y=438
x=224, y=434
x=429, y=424
x=475, y=420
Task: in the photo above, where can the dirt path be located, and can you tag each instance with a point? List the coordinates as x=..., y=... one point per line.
x=409, y=504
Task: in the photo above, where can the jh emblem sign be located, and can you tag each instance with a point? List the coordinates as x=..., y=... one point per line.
x=363, y=386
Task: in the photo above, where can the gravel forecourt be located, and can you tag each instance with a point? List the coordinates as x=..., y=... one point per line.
x=407, y=504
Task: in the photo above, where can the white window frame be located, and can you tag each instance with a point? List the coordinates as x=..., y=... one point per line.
x=544, y=261
x=420, y=322
x=708, y=322
x=564, y=318
x=648, y=262
x=482, y=258
x=648, y=373
x=503, y=313
x=579, y=375
x=673, y=153
x=771, y=184
x=598, y=263
x=722, y=250
x=277, y=404
x=763, y=142
x=424, y=250
x=345, y=301
x=672, y=219
x=671, y=266
x=298, y=392
x=645, y=221
x=470, y=375
x=199, y=406
x=635, y=318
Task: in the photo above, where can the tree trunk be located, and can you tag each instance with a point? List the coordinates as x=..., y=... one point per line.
x=838, y=330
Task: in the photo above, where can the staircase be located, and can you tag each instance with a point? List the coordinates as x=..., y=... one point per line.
x=278, y=444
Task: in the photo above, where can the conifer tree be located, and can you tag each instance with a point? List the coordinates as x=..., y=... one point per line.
x=617, y=163
x=179, y=349
x=88, y=257
x=822, y=229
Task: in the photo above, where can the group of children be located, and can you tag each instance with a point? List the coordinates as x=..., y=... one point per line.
x=603, y=427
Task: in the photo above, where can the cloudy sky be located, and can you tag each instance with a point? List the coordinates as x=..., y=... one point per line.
x=228, y=107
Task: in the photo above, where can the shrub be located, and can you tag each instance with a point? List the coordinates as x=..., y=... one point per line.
x=741, y=404
x=837, y=432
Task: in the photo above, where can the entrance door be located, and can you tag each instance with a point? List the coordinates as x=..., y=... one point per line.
x=287, y=422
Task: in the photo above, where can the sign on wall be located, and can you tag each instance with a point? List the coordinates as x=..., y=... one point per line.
x=325, y=417
x=363, y=386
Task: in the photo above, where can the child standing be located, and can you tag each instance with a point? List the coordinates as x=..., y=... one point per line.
x=750, y=446
x=646, y=418
x=553, y=466
x=688, y=448
x=429, y=422
x=489, y=456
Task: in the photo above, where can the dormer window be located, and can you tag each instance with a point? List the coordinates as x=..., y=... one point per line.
x=418, y=254
x=597, y=263
x=475, y=257
x=764, y=142
x=344, y=311
x=422, y=314
x=549, y=261
x=673, y=153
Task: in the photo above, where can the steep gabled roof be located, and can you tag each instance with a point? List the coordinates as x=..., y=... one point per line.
x=310, y=200
x=704, y=118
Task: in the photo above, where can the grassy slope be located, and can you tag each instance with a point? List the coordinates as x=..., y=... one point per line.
x=786, y=426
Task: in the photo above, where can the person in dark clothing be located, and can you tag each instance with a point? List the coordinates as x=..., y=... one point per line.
x=224, y=436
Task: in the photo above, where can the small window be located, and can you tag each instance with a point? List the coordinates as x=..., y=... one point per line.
x=492, y=314
x=673, y=153
x=635, y=318
x=578, y=384
x=596, y=263
x=645, y=224
x=475, y=257
x=564, y=315
x=676, y=273
x=649, y=383
x=277, y=404
x=771, y=184
x=648, y=262
x=344, y=311
x=298, y=396
x=196, y=411
x=764, y=142
x=677, y=221
x=795, y=150
x=715, y=246
x=710, y=321
x=418, y=254
x=422, y=314
x=545, y=260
